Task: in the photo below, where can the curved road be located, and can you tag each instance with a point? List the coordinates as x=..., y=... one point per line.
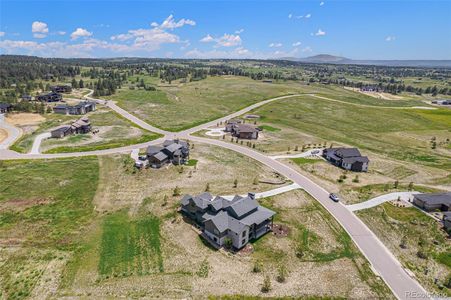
x=382, y=260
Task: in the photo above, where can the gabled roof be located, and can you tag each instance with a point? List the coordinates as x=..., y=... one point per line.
x=151, y=150
x=185, y=200
x=351, y=160
x=173, y=147
x=220, y=221
x=246, y=128
x=435, y=198
x=257, y=217
x=243, y=206
x=347, y=152
x=5, y=105
x=160, y=156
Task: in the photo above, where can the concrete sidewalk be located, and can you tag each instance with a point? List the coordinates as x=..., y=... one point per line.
x=303, y=154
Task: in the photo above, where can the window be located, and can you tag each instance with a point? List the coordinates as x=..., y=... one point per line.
x=216, y=231
x=243, y=241
x=244, y=233
x=215, y=239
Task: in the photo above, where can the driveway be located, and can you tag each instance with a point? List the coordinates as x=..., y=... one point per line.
x=273, y=192
x=37, y=142
x=404, y=196
x=303, y=154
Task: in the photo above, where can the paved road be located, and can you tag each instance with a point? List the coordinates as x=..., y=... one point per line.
x=273, y=192
x=13, y=133
x=381, y=259
x=404, y=196
x=37, y=142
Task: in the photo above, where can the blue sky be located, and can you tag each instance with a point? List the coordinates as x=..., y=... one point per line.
x=227, y=29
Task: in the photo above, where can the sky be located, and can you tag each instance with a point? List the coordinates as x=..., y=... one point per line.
x=264, y=29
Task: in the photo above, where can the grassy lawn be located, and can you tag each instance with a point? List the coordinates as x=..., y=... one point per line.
x=180, y=106
x=130, y=246
x=420, y=233
x=269, y=128
x=44, y=206
x=397, y=133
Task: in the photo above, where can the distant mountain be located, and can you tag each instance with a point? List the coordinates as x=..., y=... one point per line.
x=332, y=59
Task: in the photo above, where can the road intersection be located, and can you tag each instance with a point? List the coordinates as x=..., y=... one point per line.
x=383, y=262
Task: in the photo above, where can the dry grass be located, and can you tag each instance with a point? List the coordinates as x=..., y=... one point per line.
x=3, y=135
x=24, y=119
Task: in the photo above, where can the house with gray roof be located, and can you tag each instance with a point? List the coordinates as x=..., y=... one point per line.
x=433, y=201
x=172, y=151
x=447, y=221
x=81, y=108
x=239, y=220
x=347, y=158
x=82, y=125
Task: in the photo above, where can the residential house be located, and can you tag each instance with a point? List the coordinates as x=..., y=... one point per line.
x=78, y=127
x=27, y=98
x=447, y=221
x=347, y=158
x=61, y=88
x=61, y=131
x=79, y=109
x=441, y=102
x=433, y=201
x=49, y=97
x=241, y=130
x=5, y=107
x=239, y=220
x=172, y=151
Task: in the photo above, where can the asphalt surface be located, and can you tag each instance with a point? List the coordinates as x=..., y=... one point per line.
x=381, y=259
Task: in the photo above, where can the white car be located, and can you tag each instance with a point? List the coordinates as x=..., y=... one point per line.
x=334, y=197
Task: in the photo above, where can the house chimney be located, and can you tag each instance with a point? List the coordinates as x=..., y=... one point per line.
x=251, y=196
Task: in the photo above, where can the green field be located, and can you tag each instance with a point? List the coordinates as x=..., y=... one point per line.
x=44, y=206
x=180, y=106
x=402, y=134
x=130, y=246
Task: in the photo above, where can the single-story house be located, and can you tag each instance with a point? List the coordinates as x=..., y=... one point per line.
x=441, y=102
x=80, y=126
x=49, y=97
x=447, y=221
x=433, y=201
x=79, y=109
x=61, y=131
x=64, y=88
x=241, y=130
x=5, y=107
x=240, y=220
x=26, y=98
x=347, y=158
x=172, y=151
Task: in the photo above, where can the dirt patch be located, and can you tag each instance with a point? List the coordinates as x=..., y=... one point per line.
x=378, y=95
x=22, y=119
x=3, y=135
x=280, y=230
x=22, y=204
x=246, y=250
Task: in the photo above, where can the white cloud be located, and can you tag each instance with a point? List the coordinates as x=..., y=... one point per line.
x=206, y=39
x=2, y=33
x=321, y=3
x=290, y=16
x=171, y=24
x=307, y=16
x=275, y=45
x=238, y=52
x=307, y=49
x=390, y=38
x=320, y=33
x=80, y=32
x=239, y=31
x=61, y=33
x=227, y=40
x=295, y=44
x=39, y=29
